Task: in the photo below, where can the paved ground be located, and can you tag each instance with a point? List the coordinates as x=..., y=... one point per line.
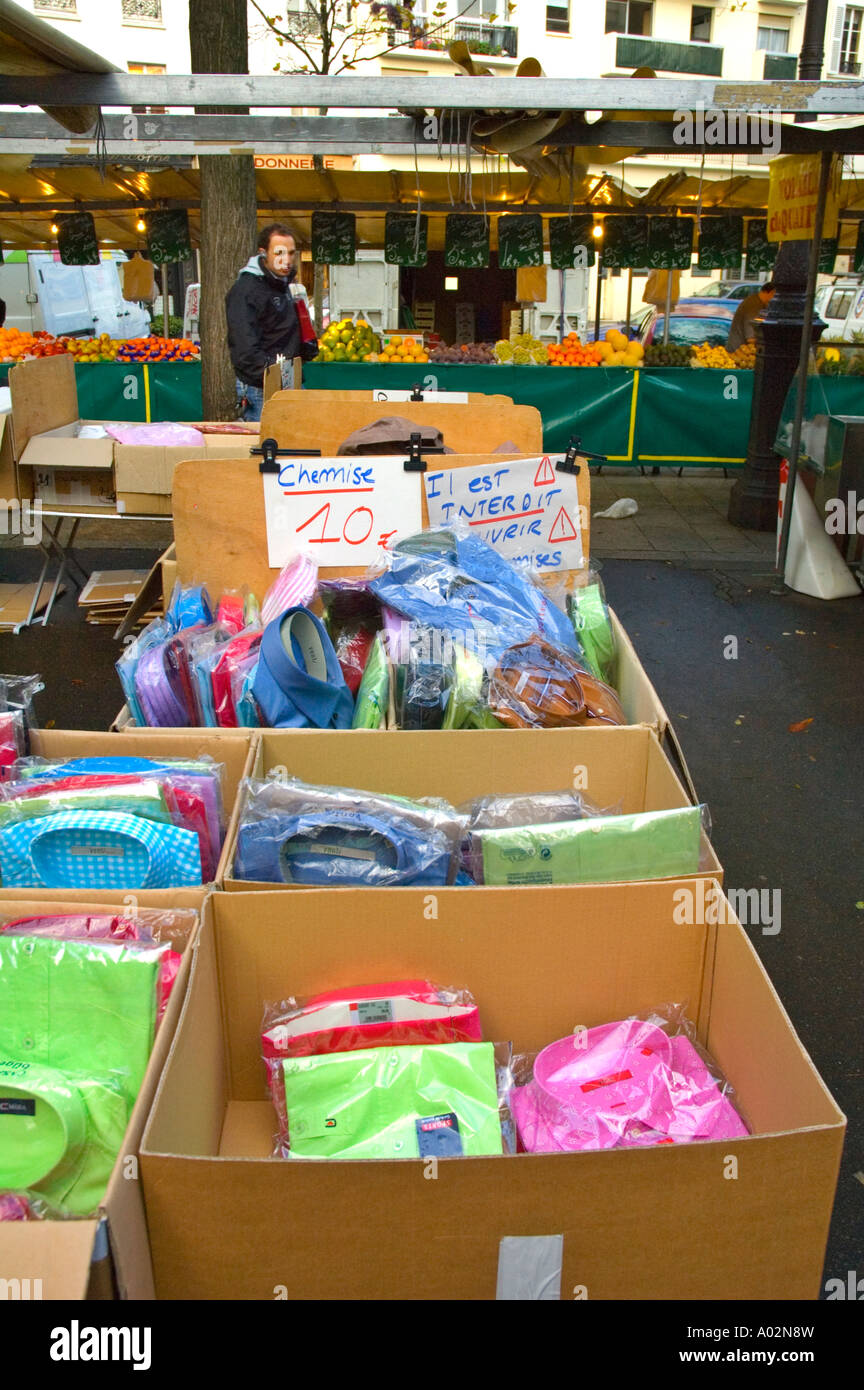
x=786, y=807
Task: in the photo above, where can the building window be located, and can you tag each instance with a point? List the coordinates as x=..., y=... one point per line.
x=147, y=68
x=57, y=7
x=142, y=11
x=700, y=23
x=557, y=19
x=772, y=39
x=628, y=17
x=846, y=40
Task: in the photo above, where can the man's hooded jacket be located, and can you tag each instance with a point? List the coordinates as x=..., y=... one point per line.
x=262, y=321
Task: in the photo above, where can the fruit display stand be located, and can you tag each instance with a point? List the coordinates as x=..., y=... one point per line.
x=636, y=417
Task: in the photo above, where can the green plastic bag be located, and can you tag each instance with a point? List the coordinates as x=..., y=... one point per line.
x=592, y=625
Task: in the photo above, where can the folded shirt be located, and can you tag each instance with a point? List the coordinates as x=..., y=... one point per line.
x=332, y=848
x=394, y=1102
x=98, y=849
x=60, y=1134
x=82, y=1007
x=598, y=849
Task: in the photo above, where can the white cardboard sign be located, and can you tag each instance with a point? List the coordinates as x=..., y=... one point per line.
x=339, y=510
x=524, y=509
x=453, y=397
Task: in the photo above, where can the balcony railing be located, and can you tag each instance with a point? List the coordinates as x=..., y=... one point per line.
x=703, y=59
x=493, y=40
x=780, y=67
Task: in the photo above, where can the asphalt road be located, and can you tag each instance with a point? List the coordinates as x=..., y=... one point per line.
x=786, y=806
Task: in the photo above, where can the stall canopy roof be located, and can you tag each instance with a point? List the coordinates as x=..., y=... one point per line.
x=31, y=196
x=30, y=47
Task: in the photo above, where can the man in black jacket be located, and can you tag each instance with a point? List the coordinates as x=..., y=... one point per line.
x=262, y=316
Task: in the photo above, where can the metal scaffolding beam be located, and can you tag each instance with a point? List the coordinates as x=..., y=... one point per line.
x=842, y=97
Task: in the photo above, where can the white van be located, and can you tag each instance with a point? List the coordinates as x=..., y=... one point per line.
x=79, y=300
x=841, y=305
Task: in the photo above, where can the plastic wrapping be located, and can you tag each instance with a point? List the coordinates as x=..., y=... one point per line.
x=18, y=693
x=153, y=635
x=204, y=649
x=60, y=1131
x=148, y=927
x=634, y=1083
x=589, y=614
x=193, y=788
x=229, y=612
x=190, y=605
x=423, y=1101
x=233, y=654
x=536, y=685
x=373, y=696
x=520, y=809
x=597, y=849
x=157, y=435
x=352, y=616
x=293, y=587
x=292, y=832
x=393, y=1013
x=12, y=741
x=80, y=1006
x=455, y=582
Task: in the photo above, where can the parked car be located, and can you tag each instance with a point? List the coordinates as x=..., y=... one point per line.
x=691, y=324
x=725, y=289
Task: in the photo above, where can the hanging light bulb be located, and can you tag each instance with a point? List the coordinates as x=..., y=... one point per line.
x=54, y=229
x=597, y=230
x=140, y=225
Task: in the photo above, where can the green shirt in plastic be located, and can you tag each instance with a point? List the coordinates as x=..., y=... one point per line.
x=394, y=1102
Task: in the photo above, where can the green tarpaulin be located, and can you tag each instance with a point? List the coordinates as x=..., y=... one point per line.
x=669, y=416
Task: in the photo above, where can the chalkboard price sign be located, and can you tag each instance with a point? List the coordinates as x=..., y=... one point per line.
x=334, y=238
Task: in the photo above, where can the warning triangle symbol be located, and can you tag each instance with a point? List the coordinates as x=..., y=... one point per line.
x=545, y=473
x=562, y=528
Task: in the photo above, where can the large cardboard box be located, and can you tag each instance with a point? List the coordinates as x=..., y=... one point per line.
x=623, y=770
x=92, y=475
x=235, y=751
x=107, y=1255
x=740, y=1219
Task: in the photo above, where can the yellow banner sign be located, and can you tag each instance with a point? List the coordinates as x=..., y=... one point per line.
x=792, y=198
x=303, y=161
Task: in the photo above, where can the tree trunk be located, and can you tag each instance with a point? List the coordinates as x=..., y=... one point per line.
x=218, y=43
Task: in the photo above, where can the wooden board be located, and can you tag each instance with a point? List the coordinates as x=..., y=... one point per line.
x=220, y=531
x=309, y=422
x=44, y=397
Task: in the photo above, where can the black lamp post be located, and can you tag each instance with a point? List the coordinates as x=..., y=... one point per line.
x=754, y=496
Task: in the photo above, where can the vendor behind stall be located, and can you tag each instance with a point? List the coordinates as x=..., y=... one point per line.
x=262, y=313
x=751, y=308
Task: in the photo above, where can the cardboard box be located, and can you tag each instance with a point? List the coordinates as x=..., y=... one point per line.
x=622, y=769
x=63, y=470
x=235, y=750
x=70, y=1259
x=227, y=1221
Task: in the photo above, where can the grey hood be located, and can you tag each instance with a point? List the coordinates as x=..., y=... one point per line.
x=253, y=267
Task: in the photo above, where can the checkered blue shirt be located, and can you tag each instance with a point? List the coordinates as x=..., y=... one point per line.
x=98, y=849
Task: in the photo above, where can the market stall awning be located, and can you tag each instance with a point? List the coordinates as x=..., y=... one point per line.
x=30, y=47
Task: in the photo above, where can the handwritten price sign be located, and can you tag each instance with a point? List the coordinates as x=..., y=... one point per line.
x=339, y=510
x=526, y=510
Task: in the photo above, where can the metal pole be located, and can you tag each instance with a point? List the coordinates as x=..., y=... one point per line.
x=599, y=290
x=803, y=361
x=668, y=307
x=812, y=49
x=164, y=300
x=629, y=298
